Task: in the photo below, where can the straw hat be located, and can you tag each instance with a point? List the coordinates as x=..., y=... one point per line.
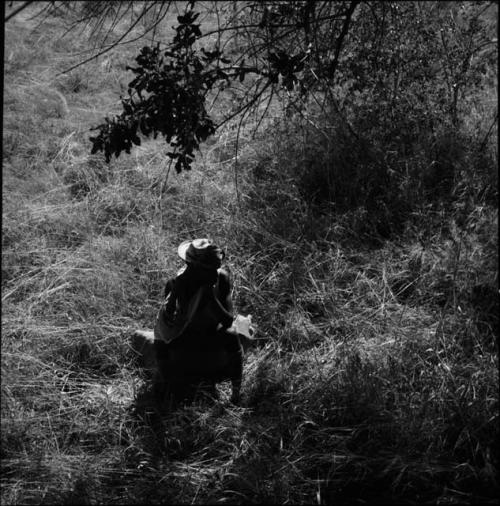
x=202, y=253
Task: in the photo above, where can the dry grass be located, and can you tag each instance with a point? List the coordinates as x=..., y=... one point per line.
x=377, y=377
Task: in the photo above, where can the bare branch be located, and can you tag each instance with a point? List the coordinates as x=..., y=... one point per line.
x=264, y=114
x=107, y=49
x=343, y=33
x=245, y=106
x=18, y=10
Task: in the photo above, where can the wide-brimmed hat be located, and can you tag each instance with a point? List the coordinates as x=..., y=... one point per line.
x=202, y=253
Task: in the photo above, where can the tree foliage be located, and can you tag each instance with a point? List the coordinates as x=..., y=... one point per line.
x=388, y=72
x=168, y=94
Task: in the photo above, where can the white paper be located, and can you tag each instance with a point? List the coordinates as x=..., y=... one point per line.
x=243, y=325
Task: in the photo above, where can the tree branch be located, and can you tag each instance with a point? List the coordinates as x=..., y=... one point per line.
x=110, y=47
x=343, y=33
x=18, y=10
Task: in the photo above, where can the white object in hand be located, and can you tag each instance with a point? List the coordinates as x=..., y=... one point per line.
x=243, y=325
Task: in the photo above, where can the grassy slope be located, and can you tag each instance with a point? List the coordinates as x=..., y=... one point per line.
x=357, y=393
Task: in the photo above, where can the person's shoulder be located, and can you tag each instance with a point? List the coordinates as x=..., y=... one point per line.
x=177, y=281
x=181, y=276
x=181, y=271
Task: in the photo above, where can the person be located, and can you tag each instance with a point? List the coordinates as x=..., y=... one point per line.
x=197, y=311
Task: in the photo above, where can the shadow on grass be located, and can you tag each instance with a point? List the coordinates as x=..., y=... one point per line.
x=157, y=415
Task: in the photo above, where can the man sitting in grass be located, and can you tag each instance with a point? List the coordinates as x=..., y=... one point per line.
x=196, y=319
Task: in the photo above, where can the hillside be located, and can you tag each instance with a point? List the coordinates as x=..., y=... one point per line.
x=376, y=377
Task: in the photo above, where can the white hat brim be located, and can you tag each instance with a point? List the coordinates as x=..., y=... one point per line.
x=182, y=249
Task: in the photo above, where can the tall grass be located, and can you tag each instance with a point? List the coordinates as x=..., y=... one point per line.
x=377, y=376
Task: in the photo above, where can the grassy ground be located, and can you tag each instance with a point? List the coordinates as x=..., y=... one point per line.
x=377, y=379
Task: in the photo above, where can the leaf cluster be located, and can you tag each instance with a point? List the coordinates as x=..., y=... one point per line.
x=167, y=97
x=288, y=66
x=168, y=93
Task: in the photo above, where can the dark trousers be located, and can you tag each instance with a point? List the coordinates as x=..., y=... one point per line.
x=219, y=354
x=189, y=359
x=223, y=338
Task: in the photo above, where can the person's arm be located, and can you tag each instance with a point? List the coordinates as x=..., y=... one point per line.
x=168, y=288
x=225, y=298
x=225, y=288
x=170, y=301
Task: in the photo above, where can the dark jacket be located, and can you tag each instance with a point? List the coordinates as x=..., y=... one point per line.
x=215, y=307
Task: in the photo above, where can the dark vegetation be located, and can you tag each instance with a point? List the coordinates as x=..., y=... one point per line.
x=345, y=155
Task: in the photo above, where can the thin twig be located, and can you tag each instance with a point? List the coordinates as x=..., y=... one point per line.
x=109, y=48
x=485, y=140
x=244, y=107
x=18, y=10
x=235, y=169
x=264, y=113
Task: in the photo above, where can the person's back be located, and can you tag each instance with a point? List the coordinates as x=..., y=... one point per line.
x=193, y=339
x=204, y=306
